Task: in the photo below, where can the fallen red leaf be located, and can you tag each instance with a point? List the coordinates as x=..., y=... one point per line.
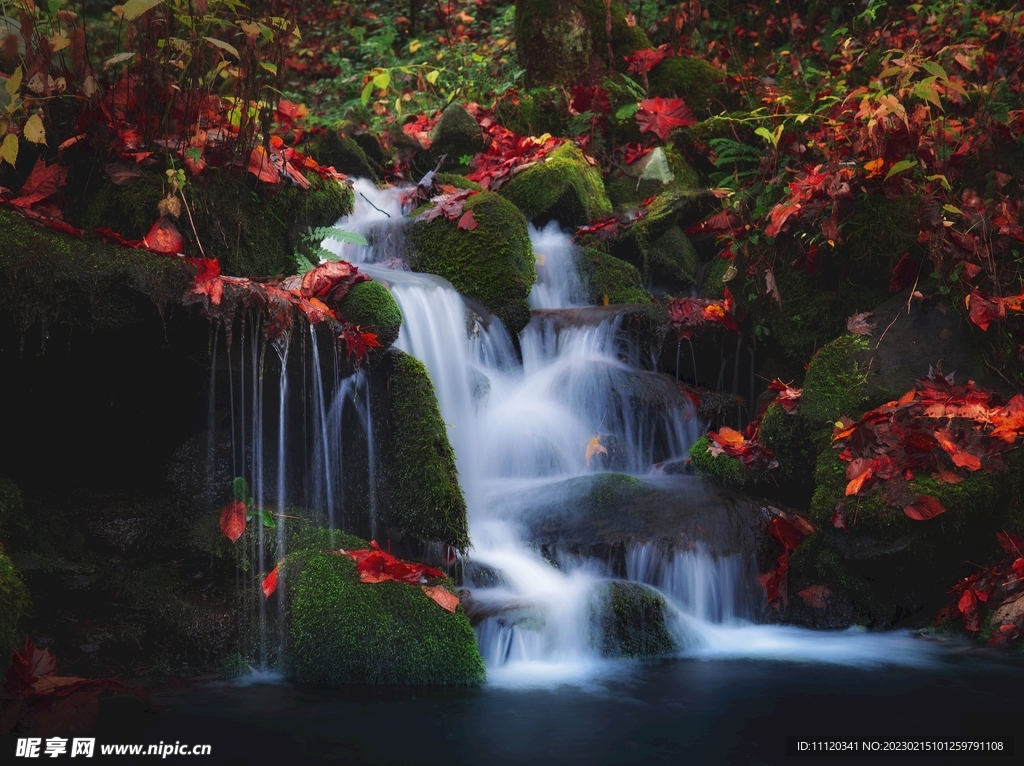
x=330, y=280
x=442, y=597
x=164, y=237
x=260, y=165
x=42, y=182
x=924, y=508
x=815, y=596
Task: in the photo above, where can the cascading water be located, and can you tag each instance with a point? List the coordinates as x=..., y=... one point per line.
x=520, y=428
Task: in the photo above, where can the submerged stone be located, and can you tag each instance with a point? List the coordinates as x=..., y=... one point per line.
x=631, y=621
x=342, y=631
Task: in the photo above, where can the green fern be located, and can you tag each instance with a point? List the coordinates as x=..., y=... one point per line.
x=311, y=250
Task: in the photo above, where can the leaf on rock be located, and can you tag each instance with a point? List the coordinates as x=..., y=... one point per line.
x=924, y=508
x=42, y=182
x=442, y=597
x=261, y=166
x=330, y=280
x=858, y=324
x=164, y=237
x=815, y=596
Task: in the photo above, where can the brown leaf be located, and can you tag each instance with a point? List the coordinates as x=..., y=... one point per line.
x=924, y=508
x=858, y=324
x=442, y=597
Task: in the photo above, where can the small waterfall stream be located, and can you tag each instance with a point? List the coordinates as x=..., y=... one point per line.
x=518, y=427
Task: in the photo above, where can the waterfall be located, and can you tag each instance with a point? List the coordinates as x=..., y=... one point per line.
x=520, y=427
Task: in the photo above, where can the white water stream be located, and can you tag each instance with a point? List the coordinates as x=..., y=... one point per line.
x=516, y=426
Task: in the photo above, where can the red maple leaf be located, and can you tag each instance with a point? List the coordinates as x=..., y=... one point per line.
x=592, y=99
x=644, y=60
x=331, y=280
x=42, y=182
x=661, y=116
x=164, y=237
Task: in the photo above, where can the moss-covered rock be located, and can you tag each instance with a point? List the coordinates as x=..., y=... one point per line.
x=564, y=188
x=14, y=604
x=370, y=306
x=787, y=436
x=457, y=135
x=333, y=149
x=675, y=207
x=694, y=80
x=421, y=495
x=605, y=275
x=492, y=263
x=253, y=228
x=670, y=262
x=726, y=470
x=835, y=385
x=888, y=565
x=343, y=631
x=459, y=182
x=557, y=41
x=53, y=279
x=631, y=621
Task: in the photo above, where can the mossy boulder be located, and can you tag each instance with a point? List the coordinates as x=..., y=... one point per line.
x=835, y=385
x=726, y=470
x=370, y=306
x=694, y=80
x=631, y=621
x=605, y=275
x=459, y=182
x=14, y=604
x=456, y=135
x=564, y=188
x=559, y=41
x=344, y=154
x=421, y=493
x=53, y=279
x=492, y=263
x=787, y=436
x=889, y=566
x=251, y=227
x=342, y=631
x=670, y=262
x=675, y=207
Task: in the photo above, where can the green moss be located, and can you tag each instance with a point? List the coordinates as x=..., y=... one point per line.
x=631, y=618
x=492, y=263
x=834, y=384
x=14, y=604
x=625, y=39
x=311, y=538
x=333, y=149
x=342, y=631
x=251, y=227
x=456, y=135
x=422, y=496
x=563, y=188
x=712, y=286
x=673, y=207
x=606, y=275
x=53, y=279
x=370, y=306
x=728, y=471
x=787, y=437
x=459, y=182
x=671, y=261
x=694, y=80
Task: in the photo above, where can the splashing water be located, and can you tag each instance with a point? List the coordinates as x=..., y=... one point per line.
x=518, y=426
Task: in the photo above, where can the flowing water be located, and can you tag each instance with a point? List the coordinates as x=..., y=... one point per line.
x=565, y=407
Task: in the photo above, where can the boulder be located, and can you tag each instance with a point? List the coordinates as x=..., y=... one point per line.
x=492, y=263
x=370, y=306
x=342, y=631
x=563, y=187
x=631, y=621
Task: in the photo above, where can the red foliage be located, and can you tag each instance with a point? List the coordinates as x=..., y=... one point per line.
x=998, y=591
x=164, y=237
x=232, y=520
x=331, y=280
x=936, y=427
x=661, y=116
x=269, y=584
x=984, y=311
x=375, y=565
x=506, y=152
x=788, y=530
x=42, y=182
x=592, y=99
x=788, y=397
x=644, y=60
x=449, y=205
x=689, y=315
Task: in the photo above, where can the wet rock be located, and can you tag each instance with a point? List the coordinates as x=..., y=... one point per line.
x=631, y=618
x=563, y=187
x=456, y=134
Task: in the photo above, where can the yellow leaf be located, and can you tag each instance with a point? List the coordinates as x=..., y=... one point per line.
x=34, y=131
x=9, y=149
x=135, y=8
x=432, y=75
x=414, y=46
x=593, y=447
x=59, y=42
x=14, y=82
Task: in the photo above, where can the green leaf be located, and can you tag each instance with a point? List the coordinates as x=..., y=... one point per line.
x=932, y=68
x=367, y=92
x=349, y=237
x=9, y=149
x=899, y=167
x=627, y=111
x=135, y=8
x=927, y=91
x=383, y=80
x=268, y=519
x=14, y=83
x=223, y=46
x=272, y=68
x=889, y=72
x=240, y=488
x=432, y=76
x=942, y=179
x=953, y=209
